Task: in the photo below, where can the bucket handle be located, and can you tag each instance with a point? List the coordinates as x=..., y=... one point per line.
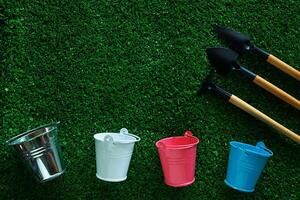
x=108, y=142
x=108, y=139
x=124, y=131
x=161, y=145
x=261, y=144
x=188, y=134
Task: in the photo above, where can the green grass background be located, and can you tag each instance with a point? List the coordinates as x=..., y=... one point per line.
x=99, y=66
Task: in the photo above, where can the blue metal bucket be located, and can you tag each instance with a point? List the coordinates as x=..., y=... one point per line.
x=246, y=162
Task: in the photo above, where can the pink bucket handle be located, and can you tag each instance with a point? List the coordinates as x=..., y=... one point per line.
x=188, y=134
x=161, y=145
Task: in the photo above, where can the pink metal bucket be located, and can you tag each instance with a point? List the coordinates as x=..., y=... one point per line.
x=178, y=156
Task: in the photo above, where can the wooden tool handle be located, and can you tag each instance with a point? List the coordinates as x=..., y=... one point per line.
x=283, y=66
x=277, y=91
x=264, y=118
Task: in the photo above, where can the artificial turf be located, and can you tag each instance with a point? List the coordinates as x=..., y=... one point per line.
x=98, y=66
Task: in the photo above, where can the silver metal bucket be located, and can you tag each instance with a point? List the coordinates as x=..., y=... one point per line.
x=40, y=151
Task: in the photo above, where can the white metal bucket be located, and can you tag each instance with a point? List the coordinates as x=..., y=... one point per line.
x=113, y=154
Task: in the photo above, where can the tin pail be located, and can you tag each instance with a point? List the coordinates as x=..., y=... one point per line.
x=40, y=151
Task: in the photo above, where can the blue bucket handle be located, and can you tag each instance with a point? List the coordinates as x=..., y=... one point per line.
x=261, y=144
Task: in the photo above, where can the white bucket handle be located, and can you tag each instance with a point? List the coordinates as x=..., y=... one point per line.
x=124, y=131
x=108, y=138
x=108, y=142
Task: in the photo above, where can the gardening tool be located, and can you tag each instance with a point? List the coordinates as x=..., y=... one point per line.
x=241, y=43
x=40, y=151
x=178, y=156
x=224, y=60
x=113, y=154
x=245, y=165
x=209, y=86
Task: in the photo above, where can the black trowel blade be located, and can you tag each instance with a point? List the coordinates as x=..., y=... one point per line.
x=222, y=59
x=237, y=41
